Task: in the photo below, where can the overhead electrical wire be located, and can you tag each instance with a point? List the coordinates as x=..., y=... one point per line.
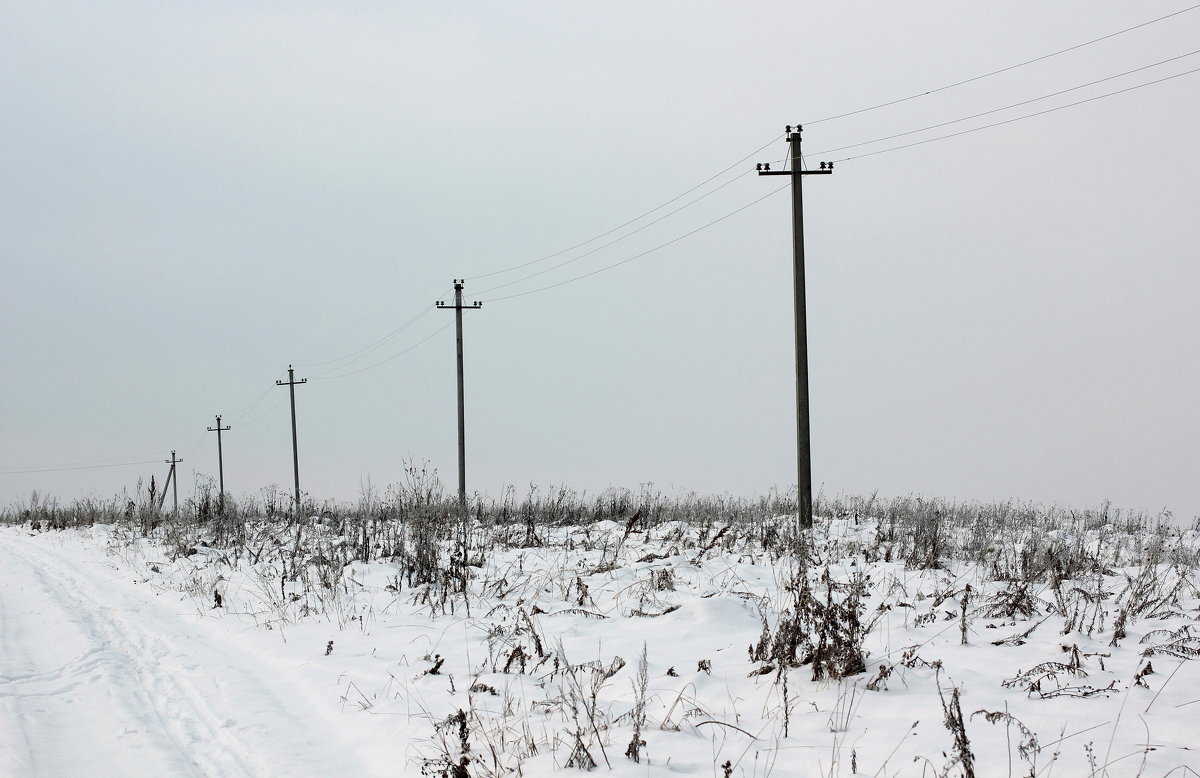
x=208, y=450
x=242, y=412
x=1017, y=105
x=326, y=377
x=641, y=254
x=348, y=358
x=930, y=140
x=80, y=467
x=355, y=355
x=90, y=461
x=192, y=451
x=635, y=219
x=212, y=443
x=1002, y=70
x=265, y=413
x=1016, y=118
x=616, y=240
x=389, y=359
x=754, y=202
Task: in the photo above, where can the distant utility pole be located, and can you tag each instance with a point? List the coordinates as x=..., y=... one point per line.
x=220, y=462
x=462, y=437
x=803, y=447
x=174, y=481
x=291, y=385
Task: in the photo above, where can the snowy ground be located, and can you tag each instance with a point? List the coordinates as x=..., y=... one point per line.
x=116, y=661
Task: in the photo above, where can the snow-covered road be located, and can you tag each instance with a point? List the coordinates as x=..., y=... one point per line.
x=98, y=677
x=115, y=660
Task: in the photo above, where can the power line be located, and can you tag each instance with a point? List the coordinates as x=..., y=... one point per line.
x=351, y=357
x=236, y=415
x=389, y=359
x=373, y=346
x=616, y=240
x=367, y=349
x=634, y=219
x=1016, y=118
x=411, y=321
x=355, y=355
x=326, y=377
x=659, y=207
x=199, y=442
x=265, y=413
x=1001, y=70
x=642, y=254
x=81, y=467
x=358, y=354
x=207, y=452
x=831, y=118
x=860, y=156
x=1013, y=105
x=67, y=465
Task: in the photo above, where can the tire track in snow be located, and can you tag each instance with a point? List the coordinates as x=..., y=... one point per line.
x=120, y=647
x=200, y=707
x=16, y=751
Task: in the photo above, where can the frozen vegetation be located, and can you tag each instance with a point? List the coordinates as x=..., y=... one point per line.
x=629, y=633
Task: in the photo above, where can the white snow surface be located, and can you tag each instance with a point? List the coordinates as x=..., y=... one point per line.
x=115, y=661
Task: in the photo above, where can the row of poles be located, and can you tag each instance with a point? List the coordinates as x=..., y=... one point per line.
x=292, y=382
x=803, y=435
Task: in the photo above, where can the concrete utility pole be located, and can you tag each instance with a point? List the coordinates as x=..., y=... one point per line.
x=458, y=308
x=291, y=385
x=174, y=481
x=803, y=447
x=220, y=462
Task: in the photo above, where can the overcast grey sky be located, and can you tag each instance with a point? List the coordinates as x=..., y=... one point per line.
x=197, y=194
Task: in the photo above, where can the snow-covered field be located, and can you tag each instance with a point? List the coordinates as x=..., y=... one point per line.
x=642, y=649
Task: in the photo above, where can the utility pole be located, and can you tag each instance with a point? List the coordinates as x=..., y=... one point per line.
x=174, y=481
x=803, y=446
x=458, y=308
x=220, y=462
x=291, y=385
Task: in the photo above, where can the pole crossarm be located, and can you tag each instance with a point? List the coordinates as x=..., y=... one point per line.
x=458, y=303
x=291, y=381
